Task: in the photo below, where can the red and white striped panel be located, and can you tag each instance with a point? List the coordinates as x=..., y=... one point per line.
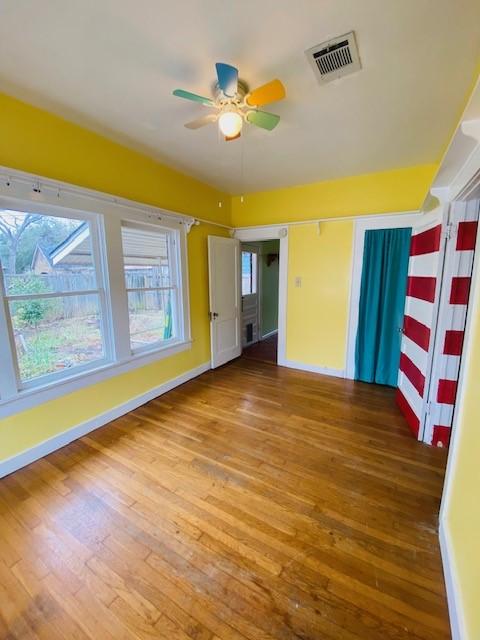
x=451, y=325
x=424, y=268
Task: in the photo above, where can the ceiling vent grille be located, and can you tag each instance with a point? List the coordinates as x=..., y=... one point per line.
x=336, y=58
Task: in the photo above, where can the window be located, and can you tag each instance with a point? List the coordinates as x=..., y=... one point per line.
x=53, y=294
x=150, y=264
x=90, y=286
x=249, y=273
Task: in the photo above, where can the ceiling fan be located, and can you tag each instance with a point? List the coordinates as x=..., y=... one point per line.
x=234, y=104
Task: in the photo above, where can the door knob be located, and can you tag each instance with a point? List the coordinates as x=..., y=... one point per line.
x=213, y=315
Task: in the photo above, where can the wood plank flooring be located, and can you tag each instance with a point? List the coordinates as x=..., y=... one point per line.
x=254, y=502
x=264, y=350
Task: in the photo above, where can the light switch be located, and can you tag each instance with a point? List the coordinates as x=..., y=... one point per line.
x=298, y=281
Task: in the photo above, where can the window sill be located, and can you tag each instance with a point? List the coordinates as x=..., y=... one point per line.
x=29, y=398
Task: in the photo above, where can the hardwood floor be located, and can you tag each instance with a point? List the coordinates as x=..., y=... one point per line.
x=264, y=350
x=253, y=502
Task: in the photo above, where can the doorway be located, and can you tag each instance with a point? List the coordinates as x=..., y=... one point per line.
x=382, y=302
x=260, y=263
x=227, y=335
x=362, y=228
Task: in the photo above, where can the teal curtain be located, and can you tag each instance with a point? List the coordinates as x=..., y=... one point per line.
x=382, y=301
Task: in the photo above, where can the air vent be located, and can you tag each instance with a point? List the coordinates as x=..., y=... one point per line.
x=336, y=58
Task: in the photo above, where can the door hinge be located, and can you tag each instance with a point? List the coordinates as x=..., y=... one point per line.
x=450, y=231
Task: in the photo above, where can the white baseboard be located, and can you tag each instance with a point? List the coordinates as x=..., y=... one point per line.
x=270, y=333
x=326, y=371
x=457, y=620
x=60, y=440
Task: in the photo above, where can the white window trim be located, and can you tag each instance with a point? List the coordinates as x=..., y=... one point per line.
x=30, y=398
x=95, y=223
x=174, y=238
x=25, y=192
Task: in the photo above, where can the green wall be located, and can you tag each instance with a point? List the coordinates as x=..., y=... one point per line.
x=269, y=276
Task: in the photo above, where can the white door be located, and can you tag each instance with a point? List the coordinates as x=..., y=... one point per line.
x=425, y=269
x=459, y=257
x=225, y=317
x=250, y=294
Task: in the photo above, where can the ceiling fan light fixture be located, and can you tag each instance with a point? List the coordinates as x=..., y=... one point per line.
x=230, y=123
x=234, y=103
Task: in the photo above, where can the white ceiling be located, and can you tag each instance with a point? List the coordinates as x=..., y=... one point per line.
x=112, y=64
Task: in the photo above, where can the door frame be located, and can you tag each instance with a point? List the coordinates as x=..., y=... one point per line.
x=390, y=221
x=274, y=232
x=251, y=247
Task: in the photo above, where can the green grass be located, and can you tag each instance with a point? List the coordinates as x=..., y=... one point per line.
x=58, y=345
x=67, y=343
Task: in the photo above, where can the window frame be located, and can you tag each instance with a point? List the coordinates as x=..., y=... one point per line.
x=21, y=192
x=173, y=240
x=94, y=222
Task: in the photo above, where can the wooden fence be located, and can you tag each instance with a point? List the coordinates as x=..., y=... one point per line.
x=82, y=305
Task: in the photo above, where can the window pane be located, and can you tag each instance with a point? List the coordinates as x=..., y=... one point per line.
x=53, y=334
x=246, y=273
x=148, y=265
x=42, y=254
x=254, y=273
x=146, y=258
x=151, y=317
x=249, y=273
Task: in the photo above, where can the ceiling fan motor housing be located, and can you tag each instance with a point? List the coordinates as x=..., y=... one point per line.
x=238, y=98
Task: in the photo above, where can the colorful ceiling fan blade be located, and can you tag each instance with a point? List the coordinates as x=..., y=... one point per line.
x=201, y=122
x=227, y=79
x=263, y=119
x=270, y=92
x=180, y=93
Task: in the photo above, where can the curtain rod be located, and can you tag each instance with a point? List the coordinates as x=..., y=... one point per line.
x=215, y=224
x=366, y=216
x=38, y=184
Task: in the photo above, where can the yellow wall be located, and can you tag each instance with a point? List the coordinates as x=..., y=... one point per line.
x=317, y=311
x=36, y=141
x=317, y=314
x=33, y=140
x=462, y=517
x=399, y=190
